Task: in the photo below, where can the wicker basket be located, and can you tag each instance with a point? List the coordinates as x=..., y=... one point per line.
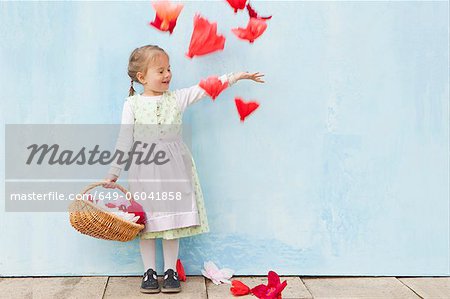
x=91, y=220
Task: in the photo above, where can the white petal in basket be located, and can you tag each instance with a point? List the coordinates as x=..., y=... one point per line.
x=217, y=275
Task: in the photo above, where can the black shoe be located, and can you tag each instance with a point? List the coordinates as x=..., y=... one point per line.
x=171, y=282
x=150, y=282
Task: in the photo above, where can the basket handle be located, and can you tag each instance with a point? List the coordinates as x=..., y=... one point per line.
x=117, y=186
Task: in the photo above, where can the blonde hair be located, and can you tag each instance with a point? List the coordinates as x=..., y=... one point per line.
x=139, y=60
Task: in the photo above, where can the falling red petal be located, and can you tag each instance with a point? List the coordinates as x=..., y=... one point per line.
x=237, y=4
x=255, y=28
x=213, y=86
x=245, y=108
x=166, y=15
x=158, y=22
x=204, y=39
x=253, y=14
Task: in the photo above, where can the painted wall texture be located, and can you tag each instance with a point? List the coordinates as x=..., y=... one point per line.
x=343, y=170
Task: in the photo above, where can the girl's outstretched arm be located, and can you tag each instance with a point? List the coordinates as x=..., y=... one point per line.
x=190, y=95
x=257, y=77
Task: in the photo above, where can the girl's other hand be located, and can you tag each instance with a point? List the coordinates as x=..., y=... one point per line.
x=251, y=76
x=110, y=181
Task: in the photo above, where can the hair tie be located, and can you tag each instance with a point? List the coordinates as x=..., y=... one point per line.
x=132, y=91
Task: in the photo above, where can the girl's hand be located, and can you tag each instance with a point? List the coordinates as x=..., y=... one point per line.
x=110, y=181
x=251, y=76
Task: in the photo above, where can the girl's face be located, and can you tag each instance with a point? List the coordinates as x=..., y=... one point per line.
x=158, y=76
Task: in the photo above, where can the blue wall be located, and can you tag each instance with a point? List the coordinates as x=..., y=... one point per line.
x=344, y=169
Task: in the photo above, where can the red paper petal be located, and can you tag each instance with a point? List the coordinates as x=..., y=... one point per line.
x=272, y=290
x=180, y=271
x=273, y=278
x=280, y=287
x=166, y=15
x=110, y=205
x=213, y=86
x=137, y=209
x=253, y=14
x=204, y=39
x=259, y=291
x=158, y=22
x=244, y=109
x=238, y=288
x=255, y=28
x=237, y=4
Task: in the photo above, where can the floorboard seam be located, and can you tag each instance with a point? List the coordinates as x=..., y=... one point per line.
x=409, y=287
x=104, y=290
x=206, y=287
x=312, y=296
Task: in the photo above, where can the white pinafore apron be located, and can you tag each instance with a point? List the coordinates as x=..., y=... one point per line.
x=173, y=201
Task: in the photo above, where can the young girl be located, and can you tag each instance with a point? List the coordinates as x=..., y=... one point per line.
x=149, y=66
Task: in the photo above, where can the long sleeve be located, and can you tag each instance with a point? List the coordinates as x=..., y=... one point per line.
x=125, y=137
x=190, y=95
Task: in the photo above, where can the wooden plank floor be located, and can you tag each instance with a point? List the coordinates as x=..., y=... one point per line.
x=197, y=287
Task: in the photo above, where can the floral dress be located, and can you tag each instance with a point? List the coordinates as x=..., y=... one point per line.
x=167, y=111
